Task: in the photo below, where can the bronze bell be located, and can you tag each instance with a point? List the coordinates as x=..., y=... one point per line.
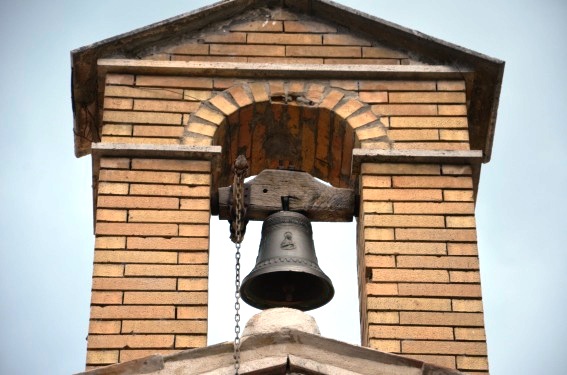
x=287, y=273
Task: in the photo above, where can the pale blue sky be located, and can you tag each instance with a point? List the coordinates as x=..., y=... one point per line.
x=46, y=243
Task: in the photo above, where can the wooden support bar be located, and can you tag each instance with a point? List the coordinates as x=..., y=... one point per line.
x=316, y=200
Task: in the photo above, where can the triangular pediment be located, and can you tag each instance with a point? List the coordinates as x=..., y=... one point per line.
x=282, y=352
x=311, y=32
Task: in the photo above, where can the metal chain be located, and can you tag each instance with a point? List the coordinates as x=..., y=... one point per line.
x=237, y=229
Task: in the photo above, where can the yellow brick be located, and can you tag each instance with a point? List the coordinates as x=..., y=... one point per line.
x=381, y=289
x=102, y=357
x=141, y=140
x=223, y=105
x=405, y=248
x=117, y=129
x=460, y=222
x=377, y=234
x=380, y=261
x=419, y=304
x=444, y=347
x=344, y=39
x=192, y=312
x=202, y=129
x=462, y=249
x=387, y=346
x=410, y=332
x=110, y=215
x=289, y=39
x=402, y=195
x=420, y=221
x=135, y=257
x=132, y=312
x=164, y=326
x=139, y=176
x=467, y=305
x=432, y=182
x=106, y=298
x=454, y=135
x=370, y=133
x=165, y=298
x=139, y=216
x=451, y=85
x=414, y=134
x=158, y=131
x=457, y=170
x=439, y=290
x=130, y=341
x=433, y=208
x=194, y=284
x=458, y=195
x=136, y=229
x=115, y=163
x=133, y=283
x=428, y=122
x=197, y=95
x=415, y=275
x=400, y=169
x=135, y=92
x=194, y=230
x=165, y=106
x=464, y=276
x=173, y=81
x=449, y=145
x=104, y=326
x=452, y=110
x=119, y=79
x=331, y=100
x=442, y=319
x=247, y=50
x=406, y=110
x=389, y=317
x=195, y=179
x=166, y=270
x=108, y=270
x=186, y=342
x=472, y=363
x=376, y=181
x=454, y=235
x=137, y=202
x=398, y=85
x=427, y=97
x=210, y=115
x=164, y=243
x=193, y=204
x=170, y=190
x=142, y=117
x=348, y=108
x=470, y=334
x=194, y=257
x=110, y=242
x=374, y=96
x=362, y=119
x=448, y=262
x=113, y=188
x=377, y=207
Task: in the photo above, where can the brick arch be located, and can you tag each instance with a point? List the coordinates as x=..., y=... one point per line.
x=311, y=126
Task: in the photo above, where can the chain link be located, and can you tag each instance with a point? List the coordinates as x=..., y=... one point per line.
x=237, y=229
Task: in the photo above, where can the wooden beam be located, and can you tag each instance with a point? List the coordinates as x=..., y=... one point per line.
x=316, y=200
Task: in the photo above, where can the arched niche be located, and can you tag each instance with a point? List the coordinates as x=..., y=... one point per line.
x=307, y=126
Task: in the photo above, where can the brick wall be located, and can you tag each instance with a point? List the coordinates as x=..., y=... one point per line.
x=151, y=259
x=420, y=290
x=419, y=268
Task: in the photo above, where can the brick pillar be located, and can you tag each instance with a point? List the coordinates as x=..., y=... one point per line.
x=150, y=275
x=420, y=291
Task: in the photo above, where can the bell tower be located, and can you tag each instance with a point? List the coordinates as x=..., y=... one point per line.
x=397, y=123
